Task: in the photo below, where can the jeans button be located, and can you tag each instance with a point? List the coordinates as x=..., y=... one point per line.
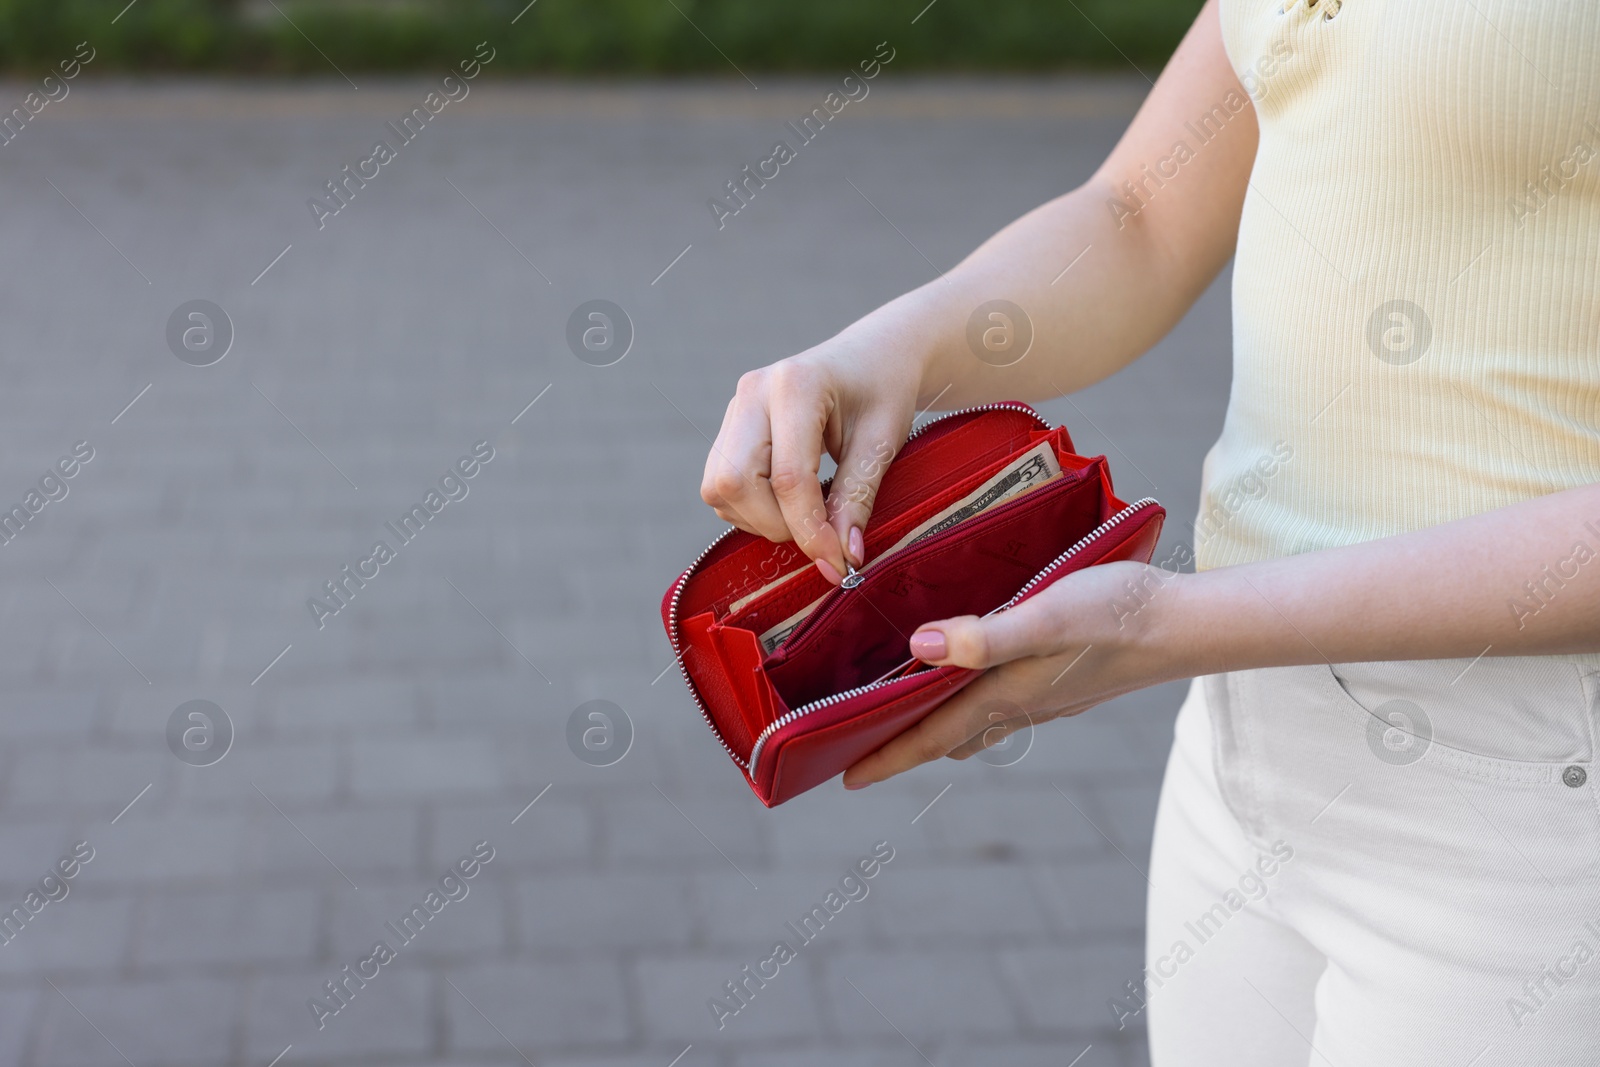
x=1574, y=776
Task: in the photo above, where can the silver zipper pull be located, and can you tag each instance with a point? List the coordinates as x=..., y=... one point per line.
x=852, y=576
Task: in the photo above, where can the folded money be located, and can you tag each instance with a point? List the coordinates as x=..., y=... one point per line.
x=1019, y=474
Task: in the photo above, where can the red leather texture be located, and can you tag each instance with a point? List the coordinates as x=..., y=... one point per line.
x=858, y=636
x=946, y=450
x=846, y=732
x=975, y=568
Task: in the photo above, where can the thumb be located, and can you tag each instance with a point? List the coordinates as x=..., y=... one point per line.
x=862, y=463
x=1029, y=629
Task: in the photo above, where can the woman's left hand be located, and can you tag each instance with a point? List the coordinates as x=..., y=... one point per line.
x=1113, y=628
x=1087, y=638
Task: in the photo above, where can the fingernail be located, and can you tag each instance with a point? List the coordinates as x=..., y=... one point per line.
x=858, y=547
x=829, y=572
x=928, y=645
x=858, y=785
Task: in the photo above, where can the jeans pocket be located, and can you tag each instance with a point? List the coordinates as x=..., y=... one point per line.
x=1528, y=796
x=1510, y=713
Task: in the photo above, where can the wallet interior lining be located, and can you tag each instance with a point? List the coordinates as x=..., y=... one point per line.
x=904, y=489
x=970, y=569
x=794, y=594
x=733, y=684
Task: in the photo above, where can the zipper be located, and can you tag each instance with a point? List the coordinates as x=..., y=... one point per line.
x=856, y=577
x=1032, y=583
x=683, y=579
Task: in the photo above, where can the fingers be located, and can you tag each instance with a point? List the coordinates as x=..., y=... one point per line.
x=735, y=479
x=863, y=460
x=934, y=737
x=1032, y=628
x=965, y=724
x=761, y=474
x=978, y=717
x=799, y=414
x=995, y=729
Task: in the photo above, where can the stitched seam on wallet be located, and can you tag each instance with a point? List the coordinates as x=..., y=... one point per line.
x=865, y=719
x=888, y=710
x=957, y=539
x=782, y=603
x=1102, y=549
x=965, y=467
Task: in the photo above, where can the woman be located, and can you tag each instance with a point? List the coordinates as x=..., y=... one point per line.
x=1378, y=840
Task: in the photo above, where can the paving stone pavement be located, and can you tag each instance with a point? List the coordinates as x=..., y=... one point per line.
x=372, y=754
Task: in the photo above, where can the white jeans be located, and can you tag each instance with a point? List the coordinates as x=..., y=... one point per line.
x=1379, y=865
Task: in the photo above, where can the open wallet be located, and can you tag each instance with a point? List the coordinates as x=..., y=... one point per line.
x=979, y=510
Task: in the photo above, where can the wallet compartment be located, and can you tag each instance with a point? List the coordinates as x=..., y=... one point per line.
x=886, y=530
x=947, y=451
x=819, y=740
x=791, y=720
x=970, y=569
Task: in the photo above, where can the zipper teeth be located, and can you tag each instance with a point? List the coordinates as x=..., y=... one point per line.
x=1002, y=405
x=1083, y=542
x=855, y=577
x=829, y=701
x=807, y=709
x=683, y=579
x=677, y=650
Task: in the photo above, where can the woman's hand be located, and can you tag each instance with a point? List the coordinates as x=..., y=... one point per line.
x=855, y=396
x=1091, y=636
x=1111, y=629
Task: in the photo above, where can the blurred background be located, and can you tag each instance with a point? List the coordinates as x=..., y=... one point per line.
x=165, y=159
x=618, y=37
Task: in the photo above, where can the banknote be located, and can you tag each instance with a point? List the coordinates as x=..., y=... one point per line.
x=1033, y=468
x=1028, y=471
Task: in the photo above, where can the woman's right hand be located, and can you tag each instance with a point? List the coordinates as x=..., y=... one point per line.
x=854, y=396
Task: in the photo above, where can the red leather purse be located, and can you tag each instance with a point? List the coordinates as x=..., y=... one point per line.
x=842, y=682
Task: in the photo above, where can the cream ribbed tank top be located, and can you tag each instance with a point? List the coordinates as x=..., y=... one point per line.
x=1416, y=291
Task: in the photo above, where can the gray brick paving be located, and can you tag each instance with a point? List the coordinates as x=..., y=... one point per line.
x=17, y=1008
x=136, y=1021
x=79, y=934
x=1104, y=897
x=1069, y=986
x=476, y=925
x=674, y=992
x=556, y=1004
x=578, y=913
x=393, y=1016
x=180, y=929
x=916, y=904
x=887, y=1056
x=926, y=992
x=375, y=751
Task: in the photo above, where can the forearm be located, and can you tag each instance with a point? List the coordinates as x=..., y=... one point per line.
x=1092, y=295
x=1101, y=273
x=1521, y=580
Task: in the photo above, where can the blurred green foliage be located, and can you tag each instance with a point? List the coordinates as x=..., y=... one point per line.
x=590, y=36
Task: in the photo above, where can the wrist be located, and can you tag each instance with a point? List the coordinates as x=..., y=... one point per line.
x=927, y=345
x=1230, y=619
x=1184, y=635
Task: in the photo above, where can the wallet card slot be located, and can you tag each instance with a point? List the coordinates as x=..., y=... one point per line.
x=970, y=569
x=884, y=531
x=914, y=669
x=943, y=454
x=779, y=627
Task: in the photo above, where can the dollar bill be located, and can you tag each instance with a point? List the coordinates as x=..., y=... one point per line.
x=780, y=633
x=1030, y=470
x=1033, y=468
